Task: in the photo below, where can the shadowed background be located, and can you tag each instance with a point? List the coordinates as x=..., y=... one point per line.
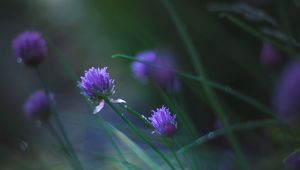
x=81, y=34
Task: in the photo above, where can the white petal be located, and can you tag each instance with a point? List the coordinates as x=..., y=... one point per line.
x=118, y=101
x=99, y=107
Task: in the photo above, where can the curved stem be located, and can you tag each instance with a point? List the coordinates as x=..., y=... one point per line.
x=139, y=134
x=237, y=127
x=114, y=143
x=170, y=146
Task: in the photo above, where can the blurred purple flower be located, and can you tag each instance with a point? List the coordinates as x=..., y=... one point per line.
x=38, y=107
x=164, y=123
x=287, y=95
x=96, y=85
x=271, y=57
x=160, y=70
x=293, y=162
x=218, y=124
x=30, y=48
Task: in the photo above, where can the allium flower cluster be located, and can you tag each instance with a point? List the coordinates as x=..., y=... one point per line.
x=97, y=85
x=30, y=48
x=164, y=123
x=157, y=68
x=37, y=105
x=287, y=95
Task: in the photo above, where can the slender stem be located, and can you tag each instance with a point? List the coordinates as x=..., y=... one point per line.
x=258, y=34
x=139, y=134
x=114, y=143
x=237, y=127
x=210, y=94
x=136, y=114
x=170, y=145
x=57, y=119
x=60, y=141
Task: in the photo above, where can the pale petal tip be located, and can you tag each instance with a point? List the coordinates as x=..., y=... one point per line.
x=118, y=101
x=99, y=107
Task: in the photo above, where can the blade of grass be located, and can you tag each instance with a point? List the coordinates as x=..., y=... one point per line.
x=218, y=86
x=258, y=34
x=110, y=132
x=237, y=127
x=135, y=148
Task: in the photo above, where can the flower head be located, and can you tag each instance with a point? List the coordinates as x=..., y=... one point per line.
x=97, y=85
x=37, y=106
x=30, y=48
x=164, y=123
x=157, y=68
x=271, y=57
x=287, y=94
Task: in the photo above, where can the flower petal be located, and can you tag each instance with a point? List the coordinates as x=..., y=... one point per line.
x=99, y=107
x=118, y=101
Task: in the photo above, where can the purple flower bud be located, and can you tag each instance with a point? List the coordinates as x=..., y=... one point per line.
x=287, y=95
x=38, y=107
x=160, y=70
x=96, y=83
x=30, y=48
x=293, y=162
x=271, y=57
x=164, y=123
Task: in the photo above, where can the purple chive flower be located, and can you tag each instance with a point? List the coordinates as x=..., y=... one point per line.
x=30, y=48
x=293, y=162
x=160, y=70
x=38, y=107
x=96, y=85
x=287, y=95
x=164, y=123
x=271, y=57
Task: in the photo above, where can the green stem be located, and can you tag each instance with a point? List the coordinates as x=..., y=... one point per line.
x=139, y=134
x=60, y=141
x=136, y=114
x=168, y=143
x=237, y=127
x=101, y=122
x=210, y=94
x=258, y=34
x=57, y=119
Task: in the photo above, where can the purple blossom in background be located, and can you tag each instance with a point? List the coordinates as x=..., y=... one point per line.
x=30, y=48
x=293, y=162
x=218, y=124
x=38, y=107
x=271, y=57
x=287, y=95
x=157, y=68
x=96, y=85
x=164, y=123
